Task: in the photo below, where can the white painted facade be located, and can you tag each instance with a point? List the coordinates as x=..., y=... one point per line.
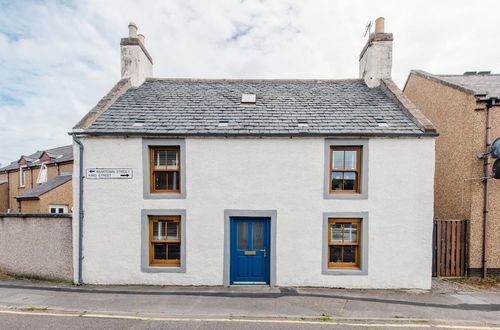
x=282, y=174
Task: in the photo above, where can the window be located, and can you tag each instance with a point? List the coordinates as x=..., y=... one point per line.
x=344, y=243
x=165, y=169
x=345, y=169
x=58, y=208
x=165, y=241
x=42, y=175
x=22, y=176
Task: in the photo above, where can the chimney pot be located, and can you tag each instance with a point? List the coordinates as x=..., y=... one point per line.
x=132, y=30
x=141, y=39
x=379, y=25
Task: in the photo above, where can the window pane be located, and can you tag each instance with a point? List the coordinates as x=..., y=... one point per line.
x=172, y=230
x=349, y=253
x=174, y=251
x=336, y=233
x=350, y=159
x=159, y=230
x=338, y=159
x=160, y=180
x=161, y=159
x=166, y=180
x=172, y=181
x=52, y=210
x=349, y=180
x=258, y=236
x=242, y=235
x=337, y=181
x=351, y=233
x=335, y=253
x=166, y=159
x=160, y=251
x=172, y=159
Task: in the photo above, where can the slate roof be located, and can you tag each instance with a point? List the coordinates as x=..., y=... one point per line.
x=59, y=155
x=477, y=83
x=481, y=83
x=46, y=186
x=187, y=107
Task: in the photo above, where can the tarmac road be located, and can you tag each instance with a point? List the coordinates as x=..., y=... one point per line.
x=43, y=305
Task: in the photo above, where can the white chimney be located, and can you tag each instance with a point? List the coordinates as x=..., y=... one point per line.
x=137, y=64
x=375, y=61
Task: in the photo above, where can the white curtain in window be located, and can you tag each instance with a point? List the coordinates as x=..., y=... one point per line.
x=42, y=175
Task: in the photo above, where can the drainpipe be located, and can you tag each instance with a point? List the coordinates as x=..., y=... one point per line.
x=80, y=210
x=491, y=102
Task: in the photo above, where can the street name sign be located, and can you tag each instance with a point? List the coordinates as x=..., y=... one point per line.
x=109, y=173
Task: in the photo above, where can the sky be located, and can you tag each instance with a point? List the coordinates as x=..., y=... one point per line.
x=58, y=58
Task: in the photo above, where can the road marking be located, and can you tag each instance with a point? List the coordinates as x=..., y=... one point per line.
x=173, y=319
x=465, y=298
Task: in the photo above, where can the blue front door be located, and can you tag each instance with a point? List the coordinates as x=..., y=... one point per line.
x=250, y=253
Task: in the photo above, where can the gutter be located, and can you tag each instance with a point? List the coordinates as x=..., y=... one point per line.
x=251, y=135
x=80, y=209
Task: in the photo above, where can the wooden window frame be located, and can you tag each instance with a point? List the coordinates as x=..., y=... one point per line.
x=357, y=170
x=152, y=170
x=158, y=262
x=22, y=176
x=345, y=265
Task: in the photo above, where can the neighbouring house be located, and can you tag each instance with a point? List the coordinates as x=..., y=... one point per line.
x=271, y=182
x=38, y=183
x=459, y=105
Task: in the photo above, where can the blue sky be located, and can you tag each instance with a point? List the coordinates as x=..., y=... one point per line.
x=58, y=58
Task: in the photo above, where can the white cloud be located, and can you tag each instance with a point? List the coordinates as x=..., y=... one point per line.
x=58, y=58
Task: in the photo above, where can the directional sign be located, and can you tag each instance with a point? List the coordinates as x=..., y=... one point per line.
x=109, y=173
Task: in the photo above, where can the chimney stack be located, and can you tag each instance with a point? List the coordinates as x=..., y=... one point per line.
x=137, y=64
x=375, y=60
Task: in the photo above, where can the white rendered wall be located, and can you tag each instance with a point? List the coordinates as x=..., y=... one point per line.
x=262, y=174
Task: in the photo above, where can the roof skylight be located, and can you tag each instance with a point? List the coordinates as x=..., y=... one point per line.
x=248, y=98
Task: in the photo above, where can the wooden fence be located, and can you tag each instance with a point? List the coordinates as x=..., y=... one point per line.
x=449, y=248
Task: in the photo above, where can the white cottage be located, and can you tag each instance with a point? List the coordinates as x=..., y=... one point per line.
x=267, y=182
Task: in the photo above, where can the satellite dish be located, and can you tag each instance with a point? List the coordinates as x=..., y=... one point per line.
x=496, y=169
x=495, y=148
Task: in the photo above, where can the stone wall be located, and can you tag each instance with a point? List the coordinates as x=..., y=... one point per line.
x=36, y=245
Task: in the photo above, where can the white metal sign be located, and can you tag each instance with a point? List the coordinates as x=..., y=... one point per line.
x=109, y=173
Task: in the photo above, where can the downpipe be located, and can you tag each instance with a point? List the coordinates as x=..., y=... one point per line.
x=80, y=210
x=491, y=102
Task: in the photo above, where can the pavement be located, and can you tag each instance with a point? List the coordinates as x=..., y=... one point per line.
x=46, y=305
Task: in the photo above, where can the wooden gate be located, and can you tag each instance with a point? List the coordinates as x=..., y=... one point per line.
x=449, y=248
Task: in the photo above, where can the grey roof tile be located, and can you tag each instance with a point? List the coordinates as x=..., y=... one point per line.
x=45, y=187
x=59, y=155
x=194, y=107
x=487, y=83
